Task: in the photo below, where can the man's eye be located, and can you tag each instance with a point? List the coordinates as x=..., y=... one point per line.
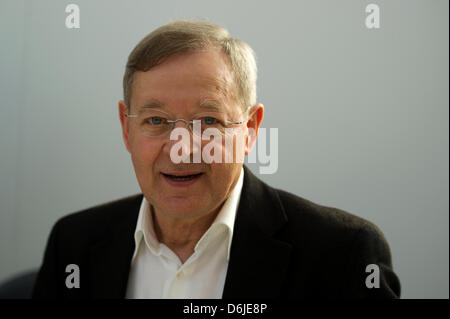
x=155, y=120
x=210, y=120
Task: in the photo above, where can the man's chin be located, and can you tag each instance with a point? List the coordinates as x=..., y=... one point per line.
x=181, y=214
x=182, y=206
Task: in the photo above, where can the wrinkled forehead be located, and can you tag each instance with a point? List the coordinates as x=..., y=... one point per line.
x=194, y=79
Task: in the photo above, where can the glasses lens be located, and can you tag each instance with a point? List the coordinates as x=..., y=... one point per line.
x=156, y=123
x=153, y=123
x=211, y=123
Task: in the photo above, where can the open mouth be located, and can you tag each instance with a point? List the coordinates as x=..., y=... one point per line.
x=182, y=178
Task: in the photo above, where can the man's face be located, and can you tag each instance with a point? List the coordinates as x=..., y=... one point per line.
x=183, y=86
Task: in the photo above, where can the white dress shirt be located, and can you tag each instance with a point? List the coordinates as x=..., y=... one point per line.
x=157, y=272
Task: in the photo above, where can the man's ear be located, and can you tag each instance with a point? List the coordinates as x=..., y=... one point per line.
x=124, y=121
x=255, y=116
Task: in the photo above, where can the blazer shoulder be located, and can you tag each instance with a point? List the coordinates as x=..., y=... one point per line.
x=96, y=218
x=331, y=236
x=325, y=219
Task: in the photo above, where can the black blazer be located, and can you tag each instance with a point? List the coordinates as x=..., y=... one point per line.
x=283, y=247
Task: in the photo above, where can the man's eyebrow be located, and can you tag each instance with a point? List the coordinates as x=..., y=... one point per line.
x=153, y=104
x=210, y=104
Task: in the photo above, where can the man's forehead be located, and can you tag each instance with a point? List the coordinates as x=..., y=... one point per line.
x=202, y=78
x=207, y=93
x=203, y=103
x=210, y=65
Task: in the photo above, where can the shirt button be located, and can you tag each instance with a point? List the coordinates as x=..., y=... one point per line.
x=180, y=275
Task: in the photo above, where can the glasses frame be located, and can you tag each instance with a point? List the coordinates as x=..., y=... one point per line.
x=190, y=123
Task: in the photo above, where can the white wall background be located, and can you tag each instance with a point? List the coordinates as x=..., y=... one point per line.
x=362, y=115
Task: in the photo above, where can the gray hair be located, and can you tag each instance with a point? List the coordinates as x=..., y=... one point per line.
x=187, y=36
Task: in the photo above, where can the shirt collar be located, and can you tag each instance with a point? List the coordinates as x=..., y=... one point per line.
x=225, y=219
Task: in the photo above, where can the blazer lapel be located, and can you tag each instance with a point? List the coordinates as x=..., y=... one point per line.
x=258, y=261
x=111, y=258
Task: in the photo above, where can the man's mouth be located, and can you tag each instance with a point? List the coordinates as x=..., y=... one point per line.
x=181, y=177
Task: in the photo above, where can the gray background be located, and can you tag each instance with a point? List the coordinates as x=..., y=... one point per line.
x=362, y=115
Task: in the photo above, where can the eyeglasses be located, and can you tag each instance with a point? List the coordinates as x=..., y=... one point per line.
x=156, y=123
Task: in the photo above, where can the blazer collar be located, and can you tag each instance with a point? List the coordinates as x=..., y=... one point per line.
x=111, y=258
x=259, y=261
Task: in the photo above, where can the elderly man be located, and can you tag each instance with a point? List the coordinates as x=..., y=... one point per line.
x=206, y=228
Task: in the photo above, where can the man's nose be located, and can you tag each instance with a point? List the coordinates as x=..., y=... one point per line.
x=191, y=144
